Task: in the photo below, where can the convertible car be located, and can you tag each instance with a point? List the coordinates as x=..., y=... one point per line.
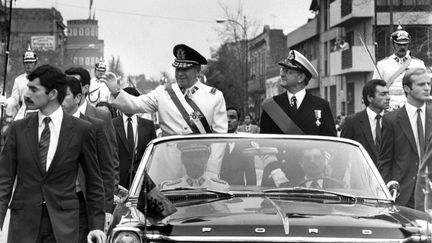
x=262, y=188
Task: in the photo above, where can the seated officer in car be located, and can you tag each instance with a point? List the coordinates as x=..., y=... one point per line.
x=195, y=158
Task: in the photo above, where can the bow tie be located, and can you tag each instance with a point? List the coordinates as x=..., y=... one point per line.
x=400, y=60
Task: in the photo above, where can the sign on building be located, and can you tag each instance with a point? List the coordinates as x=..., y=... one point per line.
x=44, y=43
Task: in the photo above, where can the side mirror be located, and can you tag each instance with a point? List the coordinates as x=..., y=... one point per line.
x=393, y=187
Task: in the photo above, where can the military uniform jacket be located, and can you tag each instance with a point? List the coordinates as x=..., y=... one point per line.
x=210, y=101
x=16, y=106
x=305, y=118
x=98, y=92
x=204, y=182
x=387, y=67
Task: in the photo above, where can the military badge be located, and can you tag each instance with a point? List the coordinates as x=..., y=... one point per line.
x=317, y=117
x=181, y=54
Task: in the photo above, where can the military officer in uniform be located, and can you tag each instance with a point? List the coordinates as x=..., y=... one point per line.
x=98, y=91
x=393, y=68
x=185, y=107
x=15, y=105
x=296, y=111
x=195, y=158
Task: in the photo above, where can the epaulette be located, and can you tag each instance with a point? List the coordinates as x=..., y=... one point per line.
x=217, y=180
x=169, y=183
x=213, y=91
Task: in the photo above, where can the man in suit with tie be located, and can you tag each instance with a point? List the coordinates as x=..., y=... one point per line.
x=106, y=165
x=403, y=136
x=365, y=126
x=296, y=111
x=97, y=112
x=43, y=153
x=248, y=127
x=133, y=134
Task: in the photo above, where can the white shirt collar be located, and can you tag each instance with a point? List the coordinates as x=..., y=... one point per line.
x=299, y=96
x=412, y=110
x=83, y=107
x=56, y=117
x=133, y=117
x=77, y=114
x=372, y=114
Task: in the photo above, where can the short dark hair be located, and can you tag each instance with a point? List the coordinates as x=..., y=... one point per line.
x=233, y=108
x=249, y=115
x=51, y=78
x=407, y=78
x=74, y=85
x=82, y=72
x=132, y=91
x=369, y=89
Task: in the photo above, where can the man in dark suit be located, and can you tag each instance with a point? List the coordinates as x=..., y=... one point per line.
x=403, y=136
x=365, y=126
x=305, y=113
x=103, y=149
x=43, y=153
x=100, y=113
x=237, y=168
x=131, y=148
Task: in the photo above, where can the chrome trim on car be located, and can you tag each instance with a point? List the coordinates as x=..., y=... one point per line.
x=118, y=230
x=282, y=215
x=155, y=237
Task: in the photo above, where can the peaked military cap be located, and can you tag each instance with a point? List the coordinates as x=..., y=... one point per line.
x=101, y=66
x=400, y=36
x=296, y=60
x=29, y=56
x=186, y=57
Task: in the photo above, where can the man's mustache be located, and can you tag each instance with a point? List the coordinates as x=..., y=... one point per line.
x=27, y=100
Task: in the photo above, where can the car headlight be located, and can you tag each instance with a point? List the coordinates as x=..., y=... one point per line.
x=126, y=237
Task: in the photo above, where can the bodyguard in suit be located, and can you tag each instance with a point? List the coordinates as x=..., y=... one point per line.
x=365, y=126
x=43, y=153
x=248, y=127
x=103, y=150
x=305, y=113
x=132, y=140
x=100, y=113
x=403, y=138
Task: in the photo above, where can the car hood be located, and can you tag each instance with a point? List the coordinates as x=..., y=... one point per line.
x=266, y=217
x=262, y=216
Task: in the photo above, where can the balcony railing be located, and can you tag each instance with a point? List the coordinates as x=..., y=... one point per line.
x=347, y=58
x=346, y=7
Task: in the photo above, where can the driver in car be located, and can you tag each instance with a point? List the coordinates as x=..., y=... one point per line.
x=195, y=158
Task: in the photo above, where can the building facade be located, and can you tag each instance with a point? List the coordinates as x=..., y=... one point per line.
x=343, y=33
x=83, y=47
x=265, y=51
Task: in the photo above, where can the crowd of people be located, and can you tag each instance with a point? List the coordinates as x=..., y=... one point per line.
x=66, y=155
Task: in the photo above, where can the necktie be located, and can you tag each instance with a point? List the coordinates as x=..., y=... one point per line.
x=314, y=184
x=130, y=136
x=378, y=131
x=420, y=132
x=44, y=143
x=294, y=103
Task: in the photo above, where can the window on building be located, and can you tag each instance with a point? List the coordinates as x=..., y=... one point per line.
x=75, y=32
x=92, y=61
x=75, y=60
x=92, y=32
x=80, y=31
x=87, y=31
x=81, y=61
x=87, y=61
x=69, y=32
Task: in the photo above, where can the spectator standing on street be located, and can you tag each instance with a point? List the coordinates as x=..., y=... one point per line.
x=365, y=126
x=296, y=111
x=403, y=136
x=393, y=68
x=42, y=153
x=247, y=126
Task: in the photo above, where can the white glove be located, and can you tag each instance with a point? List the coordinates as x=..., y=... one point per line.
x=112, y=82
x=3, y=100
x=97, y=235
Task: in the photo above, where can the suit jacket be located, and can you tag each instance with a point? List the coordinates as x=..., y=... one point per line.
x=357, y=127
x=253, y=128
x=105, y=160
x=105, y=115
x=236, y=168
x=146, y=132
x=398, y=158
x=304, y=118
x=20, y=160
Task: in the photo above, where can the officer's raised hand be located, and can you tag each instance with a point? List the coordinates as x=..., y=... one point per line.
x=112, y=82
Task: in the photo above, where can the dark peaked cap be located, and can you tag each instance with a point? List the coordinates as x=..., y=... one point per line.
x=186, y=57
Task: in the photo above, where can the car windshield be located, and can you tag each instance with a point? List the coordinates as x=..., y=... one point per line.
x=260, y=164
